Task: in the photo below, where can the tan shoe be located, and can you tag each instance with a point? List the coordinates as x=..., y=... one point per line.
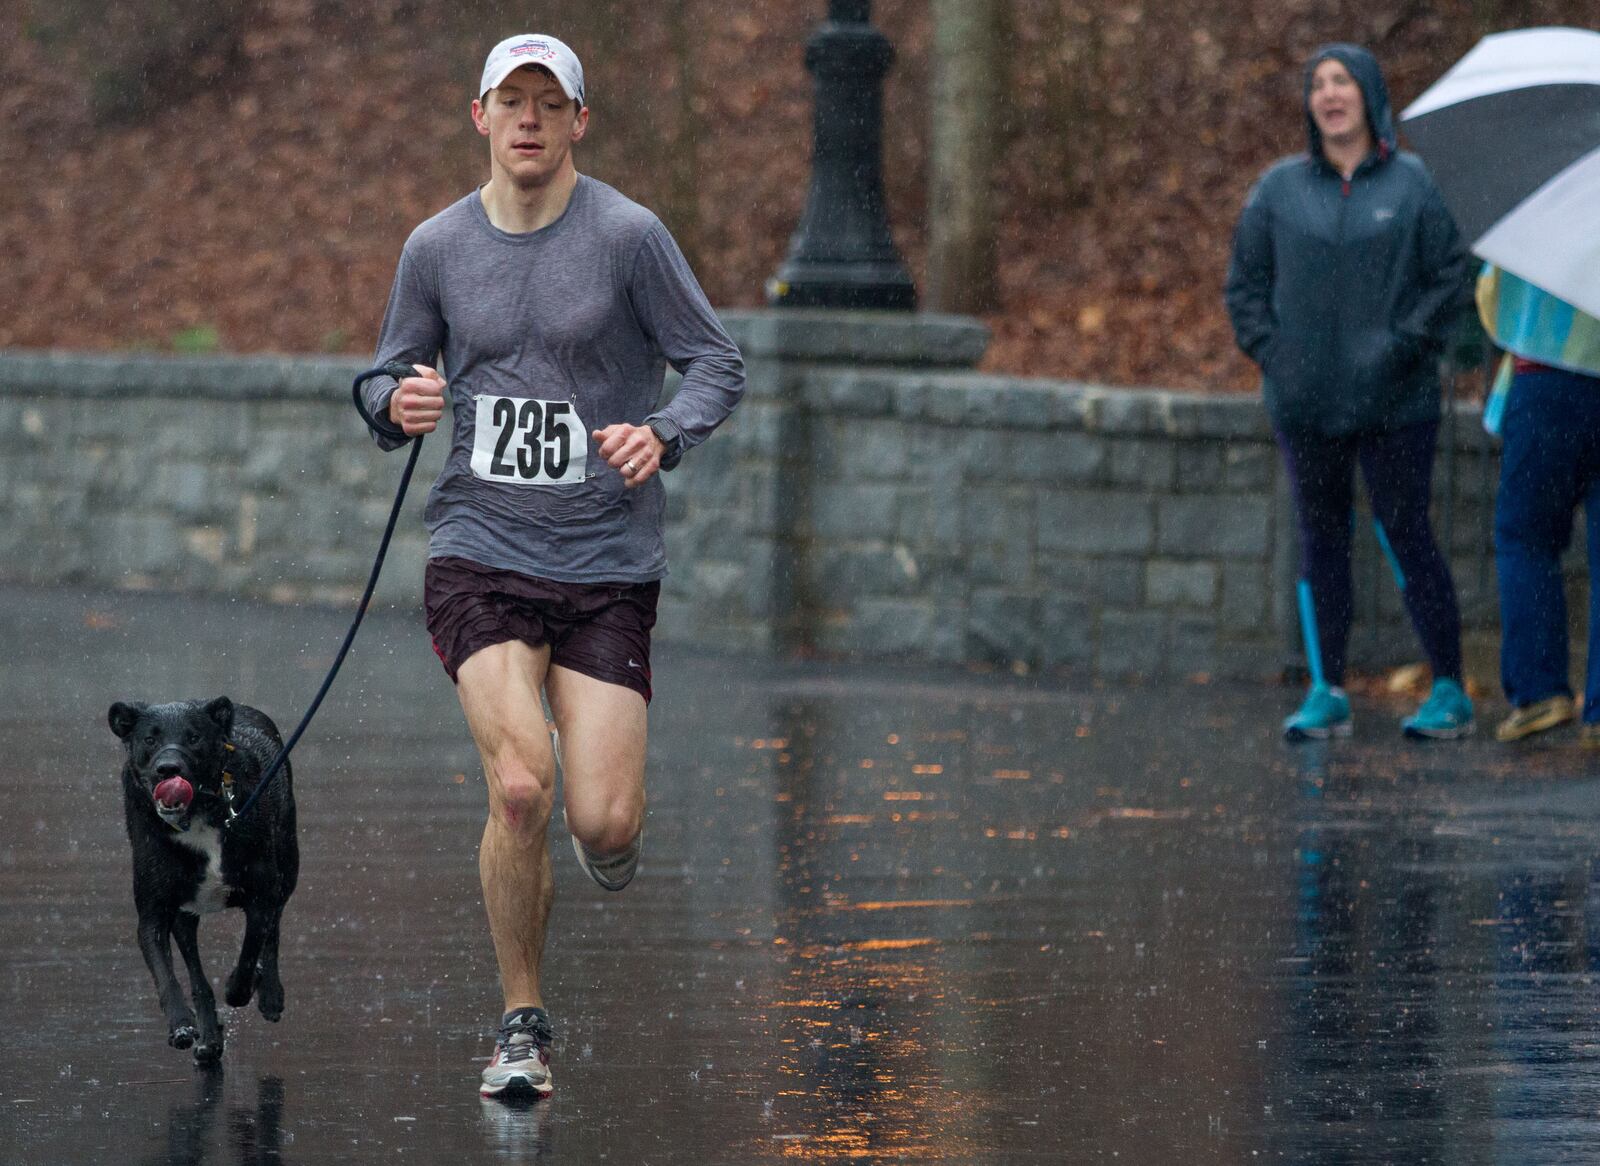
x=1589, y=736
x=1535, y=718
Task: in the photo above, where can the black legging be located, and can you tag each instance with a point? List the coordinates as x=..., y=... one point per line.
x=1397, y=467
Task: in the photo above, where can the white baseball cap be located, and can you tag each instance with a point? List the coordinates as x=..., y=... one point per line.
x=533, y=48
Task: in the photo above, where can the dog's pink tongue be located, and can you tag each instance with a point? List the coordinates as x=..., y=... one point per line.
x=174, y=793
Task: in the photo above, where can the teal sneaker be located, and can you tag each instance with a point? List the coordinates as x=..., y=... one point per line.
x=1444, y=716
x=1325, y=713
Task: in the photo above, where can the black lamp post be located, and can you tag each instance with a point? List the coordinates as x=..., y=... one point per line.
x=842, y=255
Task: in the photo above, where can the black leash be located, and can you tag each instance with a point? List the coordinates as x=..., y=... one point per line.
x=397, y=370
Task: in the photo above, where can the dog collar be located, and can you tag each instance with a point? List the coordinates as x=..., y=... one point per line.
x=227, y=785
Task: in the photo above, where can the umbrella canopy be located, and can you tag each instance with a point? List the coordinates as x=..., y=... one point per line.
x=1512, y=136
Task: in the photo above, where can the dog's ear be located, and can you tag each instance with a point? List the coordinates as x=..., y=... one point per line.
x=122, y=717
x=221, y=711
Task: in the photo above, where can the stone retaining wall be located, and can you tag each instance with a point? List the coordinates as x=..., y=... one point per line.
x=872, y=497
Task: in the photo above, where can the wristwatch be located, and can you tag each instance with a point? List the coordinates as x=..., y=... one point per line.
x=671, y=440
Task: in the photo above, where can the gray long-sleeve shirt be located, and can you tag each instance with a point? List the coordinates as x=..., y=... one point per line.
x=545, y=337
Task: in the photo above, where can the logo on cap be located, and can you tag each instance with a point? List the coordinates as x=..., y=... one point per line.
x=538, y=49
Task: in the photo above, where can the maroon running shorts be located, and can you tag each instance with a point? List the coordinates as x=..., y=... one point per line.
x=599, y=629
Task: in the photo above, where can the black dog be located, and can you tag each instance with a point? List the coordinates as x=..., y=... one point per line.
x=189, y=764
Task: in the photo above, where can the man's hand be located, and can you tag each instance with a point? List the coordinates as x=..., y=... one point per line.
x=633, y=450
x=418, y=403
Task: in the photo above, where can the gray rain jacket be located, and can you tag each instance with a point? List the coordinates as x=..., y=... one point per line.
x=1344, y=291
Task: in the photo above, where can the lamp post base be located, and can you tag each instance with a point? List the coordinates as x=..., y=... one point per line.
x=852, y=284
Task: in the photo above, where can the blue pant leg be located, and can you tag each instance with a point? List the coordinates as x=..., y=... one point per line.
x=1398, y=469
x=1591, y=511
x=1584, y=395
x=1532, y=527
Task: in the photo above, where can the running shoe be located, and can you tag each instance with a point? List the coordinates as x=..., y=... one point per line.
x=1444, y=716
x=1535, y=718
x=520, y=1066
x=611, y=871
x=1325, y=713
x=1589, y=736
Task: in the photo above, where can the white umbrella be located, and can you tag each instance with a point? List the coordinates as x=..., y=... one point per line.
x=1512, y=136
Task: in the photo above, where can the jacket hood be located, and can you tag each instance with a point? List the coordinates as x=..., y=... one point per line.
x=1364, y=68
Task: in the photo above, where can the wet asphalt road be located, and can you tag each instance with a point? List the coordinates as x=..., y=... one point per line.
x=886, y=914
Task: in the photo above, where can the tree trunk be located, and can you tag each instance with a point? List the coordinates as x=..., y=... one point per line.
x=965, y=139
x=683, y=169
x=965, y=144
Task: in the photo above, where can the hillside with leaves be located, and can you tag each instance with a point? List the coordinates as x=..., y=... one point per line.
x=240, y=176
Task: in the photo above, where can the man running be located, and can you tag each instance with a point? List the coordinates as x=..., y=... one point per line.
x=554, y=304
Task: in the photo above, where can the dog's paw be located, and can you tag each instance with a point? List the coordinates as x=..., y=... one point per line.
x=208, y=1054
x=182, y=1036
x=241, y=986
x=270, y=1002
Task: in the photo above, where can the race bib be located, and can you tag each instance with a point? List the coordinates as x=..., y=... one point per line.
x=522, y=441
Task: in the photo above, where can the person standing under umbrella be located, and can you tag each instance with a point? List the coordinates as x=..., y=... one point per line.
x=1346, y=276
x=1549, y=464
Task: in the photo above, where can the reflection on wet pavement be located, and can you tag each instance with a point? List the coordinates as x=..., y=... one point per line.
x=885, y=915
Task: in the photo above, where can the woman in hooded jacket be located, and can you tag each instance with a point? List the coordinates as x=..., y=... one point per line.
x=1346, y=277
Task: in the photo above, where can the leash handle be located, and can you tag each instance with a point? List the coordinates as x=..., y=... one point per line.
x=396, y=369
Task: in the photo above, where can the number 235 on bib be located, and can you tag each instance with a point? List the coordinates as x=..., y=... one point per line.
x=524, y=441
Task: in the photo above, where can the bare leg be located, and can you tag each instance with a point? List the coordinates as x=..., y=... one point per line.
x=499, y=692
x=603, y=736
